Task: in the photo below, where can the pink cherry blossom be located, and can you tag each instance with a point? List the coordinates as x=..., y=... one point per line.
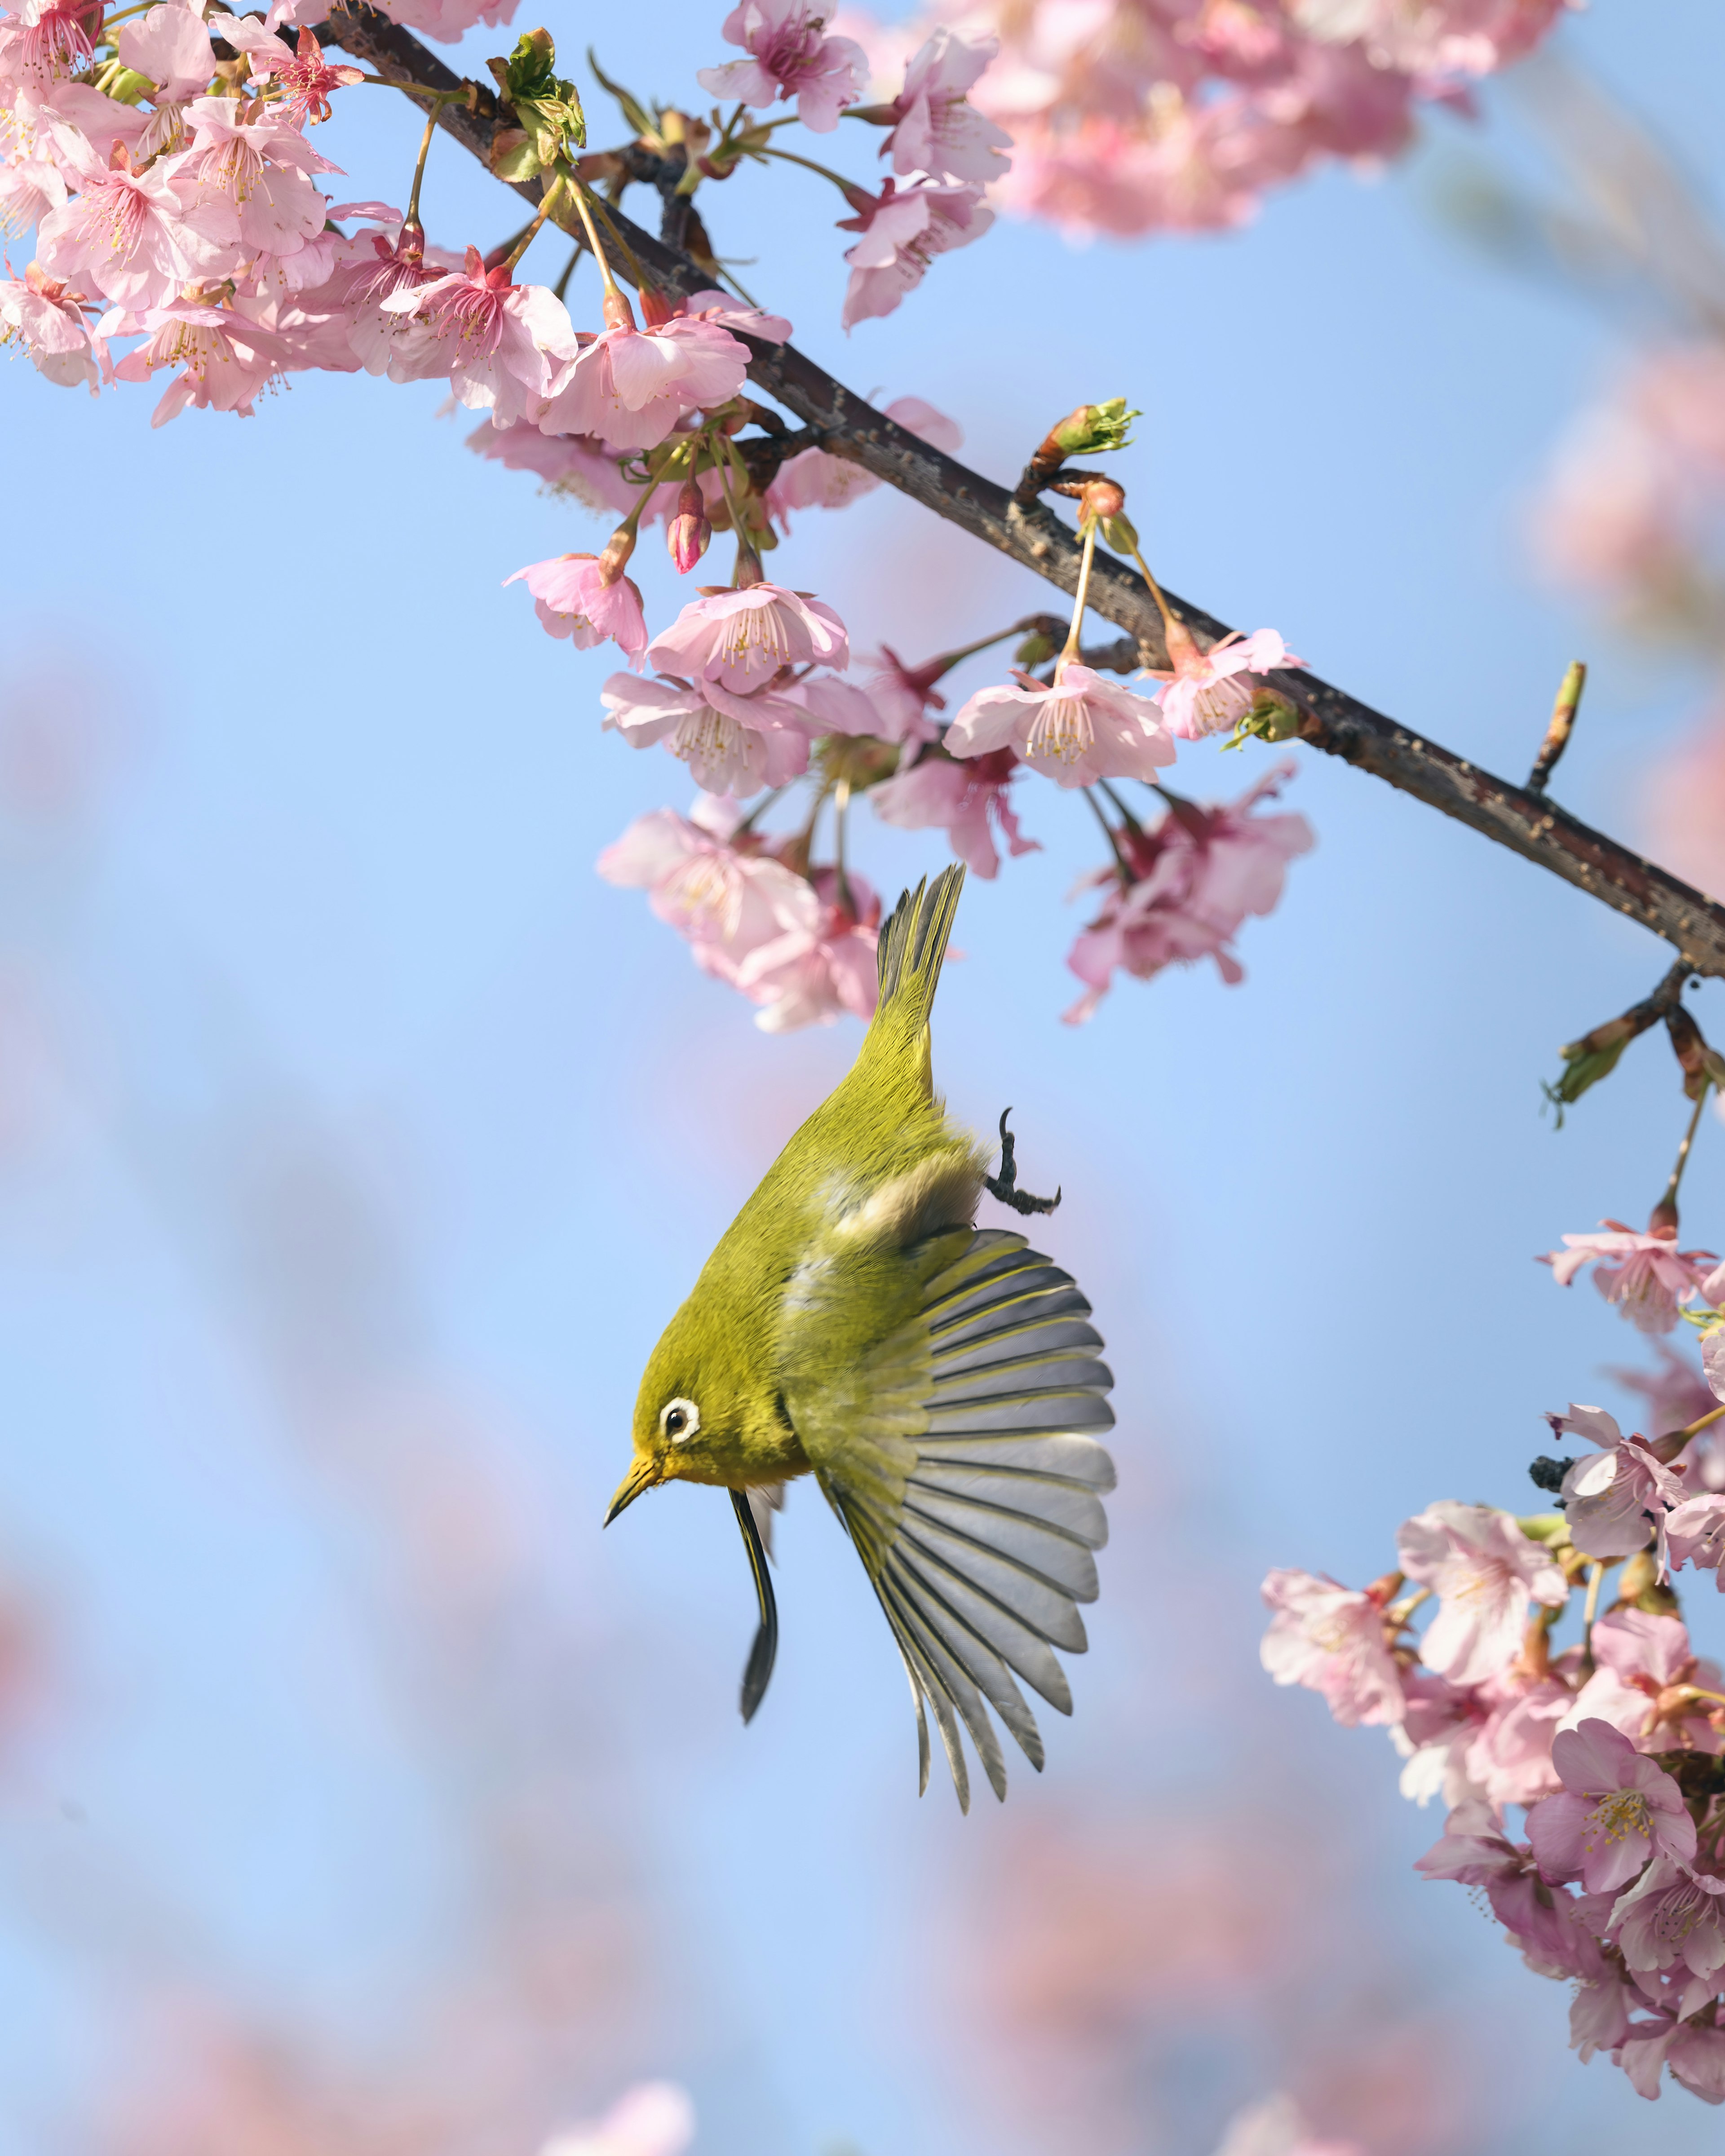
x=1330, y=1638
x=386, y=336
x=29, y=189
x=252, y=191
x=304, y=72
x=46, y=318
x=1695, y=1534
x=1277, y=2126
x=939, y=133
x=225, y=359
x=1609, y=1494
x=1196, y=876
x=579, y=465
x=789, y=55
x=1484, y=1573
x=1508, y=1757
x=1696, y=2058
x=727, y=899
x=742, y=639
x=1616, y=1811
x=502, y=343
x=170, y=46
x=41, y=44
x=125, y=234
x=654, y=2118
x=1211, y=692
x=579, y=596
x=1080, y=728
x=630, y=387
x=1672, y=1913
x=732, y=744
x=1599, y=2015
x=812, y=975
x=1677, y=1394
x=964, y=799
x=903, y=230
x=814, y=480
x=1545, y=1924
x=1651, y=1277
x=1643, y=1661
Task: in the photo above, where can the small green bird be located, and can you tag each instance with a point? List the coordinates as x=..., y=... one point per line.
x=940, y=1379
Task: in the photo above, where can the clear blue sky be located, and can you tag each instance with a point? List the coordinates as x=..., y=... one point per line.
x=371, y=1138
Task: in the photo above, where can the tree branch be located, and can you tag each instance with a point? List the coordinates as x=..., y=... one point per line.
x=842, y=423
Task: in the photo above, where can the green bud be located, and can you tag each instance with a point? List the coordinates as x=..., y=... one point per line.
x=1545, y=1527
x=1584, y=1064
x=1093, y=430
x=1272, y=718
x=548, y=108
x=125, y=85
x=1036, y=651
x=1120, y=533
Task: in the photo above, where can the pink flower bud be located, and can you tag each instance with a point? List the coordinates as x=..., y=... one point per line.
x=689, y=533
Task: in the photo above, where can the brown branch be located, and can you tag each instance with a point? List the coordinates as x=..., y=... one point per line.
x=1029, y=533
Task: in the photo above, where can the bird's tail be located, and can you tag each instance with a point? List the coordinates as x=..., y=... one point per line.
x=912, y=949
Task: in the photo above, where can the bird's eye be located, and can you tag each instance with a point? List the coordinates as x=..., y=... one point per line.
x=679, y=1421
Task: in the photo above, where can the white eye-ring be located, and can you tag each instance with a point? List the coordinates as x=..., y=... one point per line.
x=679, y=1421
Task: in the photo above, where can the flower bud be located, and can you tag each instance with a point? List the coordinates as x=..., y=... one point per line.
x=655, y=308
x=1093, y=430
x=1120, y=533
x=1037, y=648
x=690, y=532
x=1102, y=498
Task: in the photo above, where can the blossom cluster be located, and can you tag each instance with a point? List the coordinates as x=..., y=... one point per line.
x=1130, y=116
x=1612, y=1744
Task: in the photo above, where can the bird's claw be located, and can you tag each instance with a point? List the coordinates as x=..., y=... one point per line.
x=1006, y=1185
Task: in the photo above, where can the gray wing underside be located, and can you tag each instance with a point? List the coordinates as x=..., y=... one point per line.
x=1002, y=1507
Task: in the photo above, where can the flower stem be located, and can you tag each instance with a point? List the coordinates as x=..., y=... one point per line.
x=1124, y=873
x=1594, y=1580
x=413, y=215
x=1079, y=598
x=1127, y=816
x=746, y=558
x=854, y=196
x=547, y=202
x=841, y=804
x=1670, y=1200
x=592, y=240
x=759, y=809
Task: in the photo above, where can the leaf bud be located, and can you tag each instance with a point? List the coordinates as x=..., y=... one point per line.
x=1037, y=648
x=1102, y=498
x=1095, y=429
x=690, y=532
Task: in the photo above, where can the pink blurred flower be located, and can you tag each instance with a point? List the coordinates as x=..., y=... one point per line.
x=1278, y=2128
x=1509, y=1758
x=789, y=56
x=577, y=465
x=630, y=387
x=811, y=974
x=1696, y=2055
x=225, y=359
x=575, y=595
x=1211, y=692
x=46, y=318
x=1609, y=1494
x=1616, y=1810
x=939, y=133
x=732, y=744
x=1651, y=1278
x=1677, y=1395
x=1330, y=1638
x=814, y=480
x=125, y=234
x=654, y=2118
x=502, y=343
x=742, y=639
x=1078, y=730
x=903, y=230
x=904, y=695
x=1484, y=1573
x=1196, y=876
x=446, y=20
x=1695, y=1534
x=964, y=799
x=725, y=900
x=1643, y=1661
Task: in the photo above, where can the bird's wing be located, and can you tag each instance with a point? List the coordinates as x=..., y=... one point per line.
x=961, y=1452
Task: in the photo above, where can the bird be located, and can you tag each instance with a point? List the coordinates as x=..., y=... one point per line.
x=941, y=1381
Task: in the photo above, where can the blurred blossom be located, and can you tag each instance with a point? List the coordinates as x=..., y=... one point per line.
x=654, y=2119
x=1277, y=2126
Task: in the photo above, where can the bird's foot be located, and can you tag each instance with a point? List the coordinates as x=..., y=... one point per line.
x=1006, y=1185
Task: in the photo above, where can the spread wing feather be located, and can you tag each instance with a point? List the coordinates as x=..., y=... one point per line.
x=963, y=1461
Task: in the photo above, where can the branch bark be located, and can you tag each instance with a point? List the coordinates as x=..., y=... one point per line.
x=1330, y=719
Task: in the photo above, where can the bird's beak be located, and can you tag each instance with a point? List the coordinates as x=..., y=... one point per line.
x=642, y=1476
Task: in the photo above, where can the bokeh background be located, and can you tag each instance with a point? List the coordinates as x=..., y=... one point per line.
x=356, y=1797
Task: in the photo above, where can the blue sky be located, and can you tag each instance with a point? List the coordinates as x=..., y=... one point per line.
x=371, y=1120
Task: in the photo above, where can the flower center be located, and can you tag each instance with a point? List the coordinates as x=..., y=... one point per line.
x=1062, y=731
x=1220, y=704
x=707, y=737
x=1617, y=1817
x=758, y=629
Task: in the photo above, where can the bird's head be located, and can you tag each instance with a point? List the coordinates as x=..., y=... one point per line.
x=691, y=1414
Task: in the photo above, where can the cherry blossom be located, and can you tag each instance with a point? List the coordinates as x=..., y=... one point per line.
x=29, y=189
x=588, y=599
x=1672, y=1913
x=46, y=318
x=1695, y=1534
x=630, y=387
x=814, y=480
x=1508, y=1757
x=789, y=56
x=126, y=234
x=502, y=342
x=1651, y=1278
x=1330, y=1638
x=1547, y=1925
x=732, y=744
x=303, y=72
x=1078, y=729
x=938, y=132
x=813, y=974
x=1195, y=878
x=1644, y=1665
x=741, y=639
x=580, y=465
x=384, y=335
x=654, y=2118
x=1484, y=1571
x=726, y=898
x=1211, y=692
x=170, y=46
x=225, y=359
x=966, y=799
x=1278, y=2128
x=253, y=191
x=1610, y=1493
x=40, y=44
x=1616, y=1810
x=903, y=230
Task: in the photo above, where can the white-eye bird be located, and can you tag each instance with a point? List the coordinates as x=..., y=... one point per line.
x=941, y=1380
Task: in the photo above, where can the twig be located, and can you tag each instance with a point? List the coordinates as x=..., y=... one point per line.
x=1558, y=731
x=1331, y=719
